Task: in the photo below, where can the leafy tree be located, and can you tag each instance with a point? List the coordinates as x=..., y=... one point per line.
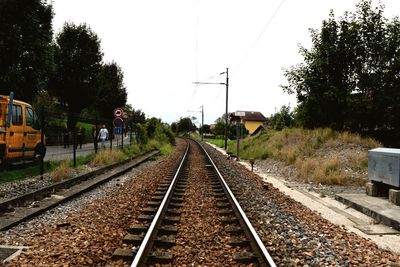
x=134, y=115
x=185, y=125
x=284, y=118
x=174, y=127
x=350, y=76
x=140, y=133
x=206, y=128
x=151, y=126
x=318, y=82
x=78, y=63
x=232, y=131
x=111, y=92
x=25, y=47
x=219, y=128
x=44, y=102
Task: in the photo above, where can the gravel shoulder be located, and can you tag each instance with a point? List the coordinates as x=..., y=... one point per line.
x=87, y=230
x=294, y=234
x=297, y=229
x=320, y=198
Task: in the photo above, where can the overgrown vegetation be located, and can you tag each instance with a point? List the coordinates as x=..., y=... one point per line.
x=162, y=139
x=350, y=76
x=107, y=157
x=307, y=151
x=218, y=142
x=62, y=171
x=10, y=174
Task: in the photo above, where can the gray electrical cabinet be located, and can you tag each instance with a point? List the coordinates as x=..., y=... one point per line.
x=384, y=165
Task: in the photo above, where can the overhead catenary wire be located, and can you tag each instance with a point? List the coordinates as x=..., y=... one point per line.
x=254, y=44
x=196, y=49
x=266, y=26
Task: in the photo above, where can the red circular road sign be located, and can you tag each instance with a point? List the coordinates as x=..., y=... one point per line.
x=118, y=112
x=118, y=122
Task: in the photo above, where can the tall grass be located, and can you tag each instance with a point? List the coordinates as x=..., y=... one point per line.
x=299, y=147
x=62, y=171
x=107, y=157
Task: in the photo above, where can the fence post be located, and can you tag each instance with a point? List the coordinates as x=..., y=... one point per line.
x=42, y=142
x=95, y=134
x=130, y=134
x=74, y=144
x=122, y=135
x=111, y=134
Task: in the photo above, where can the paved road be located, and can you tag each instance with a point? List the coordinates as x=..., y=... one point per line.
x=60, y=153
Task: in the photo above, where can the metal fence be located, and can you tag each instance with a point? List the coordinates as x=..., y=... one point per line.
x=64, y=142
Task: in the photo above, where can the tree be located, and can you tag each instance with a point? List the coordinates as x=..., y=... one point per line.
x=232, y=131
x=206, y=128
x=350, y=76
x=78, y=59
x=219, y=129
x=25, y=47
x=283, y=118
x=319, y=82
x=111, y=91
x=151, y=126
x=134, y=116
x=185, y=125
x=174, y=127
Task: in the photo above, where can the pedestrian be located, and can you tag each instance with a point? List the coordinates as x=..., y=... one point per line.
x=103, y=136
x=79, y=137
x=66, y=138
x=95, y=139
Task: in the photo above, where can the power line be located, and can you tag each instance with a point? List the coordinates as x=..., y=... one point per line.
x=196, y=49
x=260, y=35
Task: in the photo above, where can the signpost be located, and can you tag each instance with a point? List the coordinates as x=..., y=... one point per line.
x=117, y=130
x=118, y=112
x=118, y=123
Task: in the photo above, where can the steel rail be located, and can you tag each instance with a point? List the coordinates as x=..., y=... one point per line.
x=261, y=249
x=141, y=254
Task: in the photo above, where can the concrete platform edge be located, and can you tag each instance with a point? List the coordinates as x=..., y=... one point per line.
x=369, y=212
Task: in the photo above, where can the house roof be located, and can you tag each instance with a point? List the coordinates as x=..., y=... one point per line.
x=259, y=129
x=253, y=116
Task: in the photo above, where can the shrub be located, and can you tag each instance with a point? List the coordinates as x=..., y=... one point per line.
x=329, y=172
x=106, y=157
x=62, y=171
x=305, y=168
x=300, y=147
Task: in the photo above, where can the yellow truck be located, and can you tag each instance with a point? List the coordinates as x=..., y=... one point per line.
x=20, y=134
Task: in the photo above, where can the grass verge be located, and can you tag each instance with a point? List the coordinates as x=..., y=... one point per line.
x=10, y=175
x=61, y=170
x=319, y=156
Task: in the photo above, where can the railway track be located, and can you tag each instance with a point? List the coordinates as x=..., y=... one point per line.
x=21, y=208
x=193, y=218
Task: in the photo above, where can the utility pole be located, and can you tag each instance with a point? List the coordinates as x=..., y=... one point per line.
x=226, y=110
x=226, y=102
x=202, y=122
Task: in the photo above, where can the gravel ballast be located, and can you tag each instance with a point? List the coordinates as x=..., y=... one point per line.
x=89, y=234
x=295, y=235
x=86, y=231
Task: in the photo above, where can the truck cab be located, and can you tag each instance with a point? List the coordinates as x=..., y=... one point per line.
x=20, y=134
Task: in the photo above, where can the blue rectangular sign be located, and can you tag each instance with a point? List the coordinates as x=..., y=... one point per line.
x=117, y=130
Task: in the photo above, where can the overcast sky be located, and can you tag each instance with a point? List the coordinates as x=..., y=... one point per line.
x=164, y=46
